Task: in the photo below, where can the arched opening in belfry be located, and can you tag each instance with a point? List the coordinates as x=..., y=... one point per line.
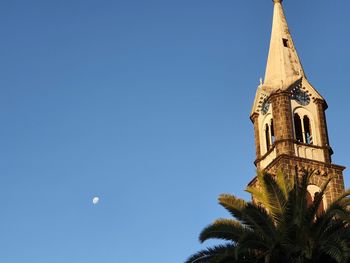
x=302, y=128
x=307, y=128
x=272, y=132
x=267, y=137
x=269, y=133
x=298, y=128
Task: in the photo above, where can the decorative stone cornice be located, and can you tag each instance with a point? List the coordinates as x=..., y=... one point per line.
x=294, y=141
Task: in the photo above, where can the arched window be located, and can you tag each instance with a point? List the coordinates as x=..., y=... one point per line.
x=267, y=137
x=272, y=132
x=312, y=192
x=307, y=129
x=302, y=126
x=320, y=209
x=269, y=134
x=298, y=128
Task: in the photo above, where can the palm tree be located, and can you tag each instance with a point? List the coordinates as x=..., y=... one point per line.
x=280, y=225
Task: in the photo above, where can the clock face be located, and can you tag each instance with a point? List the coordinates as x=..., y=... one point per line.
x=265, y=107
x=302, y=97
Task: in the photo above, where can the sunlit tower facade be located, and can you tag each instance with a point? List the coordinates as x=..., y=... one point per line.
x=289, y=117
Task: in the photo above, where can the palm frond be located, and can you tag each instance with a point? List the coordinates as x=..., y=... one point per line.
x=336, y=249
x=279, y=225
x=338, y=210
x=250, y=215
x=233, y=204
x=284, y=185
x=342, y=196
x=215, y=254
x=276, y=198
x=227, y=229
x=258, y=192
x=257, y=219
x=312, y=210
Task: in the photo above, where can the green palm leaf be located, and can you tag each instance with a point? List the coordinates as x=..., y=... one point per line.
x=227, y=229
x=216, y=254
x=279, y=225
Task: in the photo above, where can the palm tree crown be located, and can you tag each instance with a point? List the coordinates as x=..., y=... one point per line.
x=280, y=225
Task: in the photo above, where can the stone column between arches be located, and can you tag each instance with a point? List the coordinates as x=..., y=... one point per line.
x=283, y=123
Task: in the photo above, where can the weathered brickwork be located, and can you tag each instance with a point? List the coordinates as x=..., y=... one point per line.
x=283, y=125
x=254, y=119
x=321, y=107
x=322, y=172
x=286, y=160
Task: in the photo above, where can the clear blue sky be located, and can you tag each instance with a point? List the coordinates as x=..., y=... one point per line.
x=145, y=104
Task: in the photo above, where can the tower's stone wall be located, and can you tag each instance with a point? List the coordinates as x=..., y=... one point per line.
x=282, y=120
x=255, y=121
x=289, y=165
x=323, y=130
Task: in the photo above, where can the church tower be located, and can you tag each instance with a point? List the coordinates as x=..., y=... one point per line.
x=289, y=116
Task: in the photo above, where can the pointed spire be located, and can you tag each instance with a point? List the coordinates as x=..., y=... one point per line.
x=283, y=64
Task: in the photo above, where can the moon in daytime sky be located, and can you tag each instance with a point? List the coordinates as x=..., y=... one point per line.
x=95, y=200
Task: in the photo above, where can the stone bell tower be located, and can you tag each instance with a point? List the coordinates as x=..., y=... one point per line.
x=289, y=116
